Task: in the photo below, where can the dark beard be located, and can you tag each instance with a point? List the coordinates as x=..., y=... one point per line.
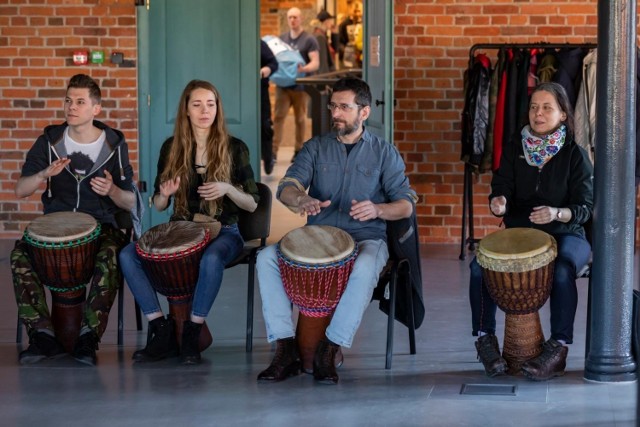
x=347, y=129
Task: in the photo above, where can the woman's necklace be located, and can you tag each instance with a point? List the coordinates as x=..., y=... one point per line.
x=201, y=164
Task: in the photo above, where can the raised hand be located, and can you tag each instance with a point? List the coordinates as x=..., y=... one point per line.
x=498, y=205
x=55, y=167
x=310, y=206
x=169, y=188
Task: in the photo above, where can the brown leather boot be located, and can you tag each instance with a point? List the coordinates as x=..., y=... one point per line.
x=489, y=354
x=549, y=364
x=286, y=362
x=324, y=367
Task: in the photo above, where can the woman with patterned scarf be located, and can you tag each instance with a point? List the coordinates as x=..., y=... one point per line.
x=545, y=181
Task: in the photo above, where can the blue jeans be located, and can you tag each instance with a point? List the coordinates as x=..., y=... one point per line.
x=224, y=249
x=276, y=306
x=573, y=254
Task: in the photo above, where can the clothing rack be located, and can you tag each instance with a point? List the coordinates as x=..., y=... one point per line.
x=467, y=193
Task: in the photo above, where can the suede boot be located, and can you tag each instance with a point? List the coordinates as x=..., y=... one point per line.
x=85, y=348
x=489, y=354
x=190, y=349
x=324, y=367
x=286, y=362
x=41, y=346
x=161, y=341
x=550, y=363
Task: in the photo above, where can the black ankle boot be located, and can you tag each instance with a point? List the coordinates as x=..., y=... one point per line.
x=286, y=362
x=324, y=367
x=161, y=341
x=190, y=348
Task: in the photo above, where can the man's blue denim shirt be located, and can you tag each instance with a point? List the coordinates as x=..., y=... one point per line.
x=374, y=170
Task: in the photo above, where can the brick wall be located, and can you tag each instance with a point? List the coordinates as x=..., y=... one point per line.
x=37, y=40
x=432, y=41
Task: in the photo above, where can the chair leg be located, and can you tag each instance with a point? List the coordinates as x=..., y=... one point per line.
x=19, y=331
x=587, y=340
x=412, y=328
x=250, y=299
x=138, y=317
x=392, y=315
x=121, y=312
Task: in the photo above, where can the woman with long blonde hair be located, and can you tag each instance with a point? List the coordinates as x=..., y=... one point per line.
x=205, y=171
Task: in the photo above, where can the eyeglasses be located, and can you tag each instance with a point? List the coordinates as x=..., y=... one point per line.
x=332, y=106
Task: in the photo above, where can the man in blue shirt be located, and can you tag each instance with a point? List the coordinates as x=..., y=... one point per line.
x=356, y=181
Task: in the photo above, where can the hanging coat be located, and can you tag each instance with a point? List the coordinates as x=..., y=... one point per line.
x=475, y=116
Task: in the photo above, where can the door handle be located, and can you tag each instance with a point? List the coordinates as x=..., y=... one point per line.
x=379, y=103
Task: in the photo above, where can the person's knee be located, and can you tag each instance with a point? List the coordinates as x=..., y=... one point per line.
x=564, y=271
x=266, y=258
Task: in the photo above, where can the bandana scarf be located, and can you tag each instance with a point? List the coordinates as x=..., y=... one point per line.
x=538, y=151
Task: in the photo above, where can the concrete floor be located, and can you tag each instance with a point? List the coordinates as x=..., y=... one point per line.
x=420, y=390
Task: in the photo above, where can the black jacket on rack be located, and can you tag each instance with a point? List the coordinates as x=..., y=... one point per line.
x=475, y=116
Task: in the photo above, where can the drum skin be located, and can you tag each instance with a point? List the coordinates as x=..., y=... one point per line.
x=315, y=263
x=170, y=254
x=517, y=267
x=63, y=248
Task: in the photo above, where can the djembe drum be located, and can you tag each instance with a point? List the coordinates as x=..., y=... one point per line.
x=518, y=273
x=315, y=263
x=170, y=254
x=63, y=247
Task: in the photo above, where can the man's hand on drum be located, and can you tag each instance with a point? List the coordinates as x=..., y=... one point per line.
x=543, y=215
x=310, y=206
x=54, y=168
x=102, y=186
x=498, y=205
x=214, y=190
x=364, y=210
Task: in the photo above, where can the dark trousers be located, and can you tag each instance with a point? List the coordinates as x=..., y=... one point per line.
x=573, y=254
x=266, y=127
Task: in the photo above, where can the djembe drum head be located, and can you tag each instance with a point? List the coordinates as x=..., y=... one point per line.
x=518, y=268
x=170, y=254
x=63, y=247
x=315, y=262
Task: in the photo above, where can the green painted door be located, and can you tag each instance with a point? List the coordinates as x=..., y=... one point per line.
x=213, y=40
x=378, y=65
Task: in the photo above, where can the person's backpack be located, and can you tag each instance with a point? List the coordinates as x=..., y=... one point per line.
x=288, y=59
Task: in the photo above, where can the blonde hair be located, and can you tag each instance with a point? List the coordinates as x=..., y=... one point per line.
x=181, y=160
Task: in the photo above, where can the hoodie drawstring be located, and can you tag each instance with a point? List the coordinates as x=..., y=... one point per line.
x=49, y=178
x=122, y=178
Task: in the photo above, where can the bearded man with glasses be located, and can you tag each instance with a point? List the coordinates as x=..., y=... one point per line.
x=352, y=180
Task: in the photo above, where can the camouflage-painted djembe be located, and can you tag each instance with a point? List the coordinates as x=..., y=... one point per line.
x=63, y=248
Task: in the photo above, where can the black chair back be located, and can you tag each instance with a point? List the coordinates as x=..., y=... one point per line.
x=257, y=224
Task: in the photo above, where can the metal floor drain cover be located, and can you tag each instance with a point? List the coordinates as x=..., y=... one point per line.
x=489, y=389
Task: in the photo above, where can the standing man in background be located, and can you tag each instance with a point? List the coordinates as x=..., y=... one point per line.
x=295, y=96
x=268, y=65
